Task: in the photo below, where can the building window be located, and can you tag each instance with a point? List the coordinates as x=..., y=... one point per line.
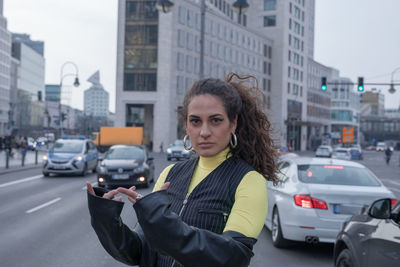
x=140, y=82
x=135, y=115
x=180, y=61
x=181, y=38
x=269, y=4
x=189, y=42
x=143, y=58
x=179, y=85
x=189, y=64
x=269, y=86
x=190, y=18
x=182, y=15
x=141, y=10
x=288, y=88
x=141, y=35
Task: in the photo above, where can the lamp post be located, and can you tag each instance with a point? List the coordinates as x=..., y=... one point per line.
x=165, y=6
x=392, y=90
x=76, y=84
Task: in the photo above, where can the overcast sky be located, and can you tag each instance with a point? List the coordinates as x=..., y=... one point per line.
x=358, y=37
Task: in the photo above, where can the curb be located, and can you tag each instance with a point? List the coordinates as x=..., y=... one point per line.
x=19, y=168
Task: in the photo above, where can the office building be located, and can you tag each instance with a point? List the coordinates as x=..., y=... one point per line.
x=52, y=92
x=158, y=59
x=96, y=99
x=5, y=65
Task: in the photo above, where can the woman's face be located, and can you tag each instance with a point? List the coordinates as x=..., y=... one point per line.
x=208, y=125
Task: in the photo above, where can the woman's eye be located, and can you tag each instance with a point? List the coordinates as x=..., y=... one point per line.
x=194, y=121
x=216, y=120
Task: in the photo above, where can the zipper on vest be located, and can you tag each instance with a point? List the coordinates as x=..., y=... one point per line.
x=180, y=213
x=184, y=203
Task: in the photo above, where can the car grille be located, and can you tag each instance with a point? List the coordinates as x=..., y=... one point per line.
x=115, y=170
x=59, y=161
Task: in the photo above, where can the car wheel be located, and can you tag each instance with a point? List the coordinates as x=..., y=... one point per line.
x=276, y=231
x=46, y=174
x=345, y=259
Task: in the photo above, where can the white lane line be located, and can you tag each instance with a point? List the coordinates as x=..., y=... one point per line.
x=44, y=205
x=22, y=180
x=392, y=182
x=93, y=184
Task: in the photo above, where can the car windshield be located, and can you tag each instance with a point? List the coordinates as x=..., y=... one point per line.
x=323, y=149
x=178, y=143
x=341, y=150
x=67, y=147
x=125, y=153
x=336, y=174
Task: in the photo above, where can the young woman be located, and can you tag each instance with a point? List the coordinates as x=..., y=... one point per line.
x=209, y=210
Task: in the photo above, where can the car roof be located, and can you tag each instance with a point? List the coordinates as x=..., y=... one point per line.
x=71, y=140
x=321, y=161
x=126, y=146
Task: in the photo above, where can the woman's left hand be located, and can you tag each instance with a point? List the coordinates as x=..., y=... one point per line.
x=133, y=196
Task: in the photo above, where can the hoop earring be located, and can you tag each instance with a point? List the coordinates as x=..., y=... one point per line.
x=233, y=140
x=184, y=143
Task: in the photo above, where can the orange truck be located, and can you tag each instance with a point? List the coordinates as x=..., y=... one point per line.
x=109, y=136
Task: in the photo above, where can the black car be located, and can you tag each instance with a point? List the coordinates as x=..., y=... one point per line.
x=371, y=238
x=125, y=166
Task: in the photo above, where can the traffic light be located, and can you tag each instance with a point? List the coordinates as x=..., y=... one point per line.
x=63, y=116
x=323, y=84
x=360, y=86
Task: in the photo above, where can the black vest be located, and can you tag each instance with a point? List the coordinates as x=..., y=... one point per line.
x=210, y=203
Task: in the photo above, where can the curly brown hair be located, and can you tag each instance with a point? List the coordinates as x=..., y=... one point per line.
x=254, y=143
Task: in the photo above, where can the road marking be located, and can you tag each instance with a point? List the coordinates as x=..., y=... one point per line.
x=44, y=205
x=392, y=182
x=93, y=184
x=22, y=180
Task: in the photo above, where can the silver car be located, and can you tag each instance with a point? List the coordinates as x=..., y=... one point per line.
x=177, y=151
x=342, y=153
x=315, y=196
x=324, y=151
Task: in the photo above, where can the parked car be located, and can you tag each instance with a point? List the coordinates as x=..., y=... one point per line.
x=125, y=165
x=315, y=196
x=372, y=238
x=31, y=143
x=177, y=151
x=342, y=153
x=324, y=151
x=356, y=153
x=381, y=146
x=371, y=148
x=70, y=156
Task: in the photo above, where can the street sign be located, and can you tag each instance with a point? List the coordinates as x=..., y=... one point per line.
x=348, y=135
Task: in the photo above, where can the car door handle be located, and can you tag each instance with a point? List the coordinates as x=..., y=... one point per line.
x=361, y=235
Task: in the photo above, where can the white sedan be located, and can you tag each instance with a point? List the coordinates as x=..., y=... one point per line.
x=315, y=196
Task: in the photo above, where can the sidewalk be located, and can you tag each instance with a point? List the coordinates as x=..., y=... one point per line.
x=15, y=162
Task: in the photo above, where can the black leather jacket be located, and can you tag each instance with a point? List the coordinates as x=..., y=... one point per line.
x=161, y=231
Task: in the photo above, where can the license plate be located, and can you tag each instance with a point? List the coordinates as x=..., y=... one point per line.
x=346, y=209
x=120, y=176
x=59, y=167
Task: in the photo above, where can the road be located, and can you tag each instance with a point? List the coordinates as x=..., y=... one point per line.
x=44, y=222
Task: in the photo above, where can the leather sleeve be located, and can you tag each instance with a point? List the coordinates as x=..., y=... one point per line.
x=190, y=246
x=124, y=245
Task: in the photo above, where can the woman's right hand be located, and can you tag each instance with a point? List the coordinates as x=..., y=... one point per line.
x=109, y=195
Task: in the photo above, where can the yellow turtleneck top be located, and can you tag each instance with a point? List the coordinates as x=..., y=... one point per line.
x=250, y=208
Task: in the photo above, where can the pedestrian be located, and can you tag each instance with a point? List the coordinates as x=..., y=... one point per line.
x=161, y=147
x=388, y=154
x=208, y=210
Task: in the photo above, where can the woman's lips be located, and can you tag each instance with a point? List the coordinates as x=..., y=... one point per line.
x=205, y=145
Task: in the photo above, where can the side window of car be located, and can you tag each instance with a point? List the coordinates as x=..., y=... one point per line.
x=396, y=211
x=92, y=146
x=283, y=173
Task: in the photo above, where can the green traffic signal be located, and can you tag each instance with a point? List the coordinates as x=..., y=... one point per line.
x=323, y=84
x=360, y=86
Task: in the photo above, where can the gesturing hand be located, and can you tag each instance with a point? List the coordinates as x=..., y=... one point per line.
x=133, y=195
x=108, y=195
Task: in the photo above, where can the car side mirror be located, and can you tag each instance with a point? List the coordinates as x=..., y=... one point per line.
x=381, y=209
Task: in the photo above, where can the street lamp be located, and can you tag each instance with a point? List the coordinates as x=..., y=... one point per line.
x=392, y=90
x=165, y=6
x=76, y=84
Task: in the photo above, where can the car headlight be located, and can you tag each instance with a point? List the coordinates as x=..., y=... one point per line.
x=169, y=150
x=79, y=158
x=45, y=158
